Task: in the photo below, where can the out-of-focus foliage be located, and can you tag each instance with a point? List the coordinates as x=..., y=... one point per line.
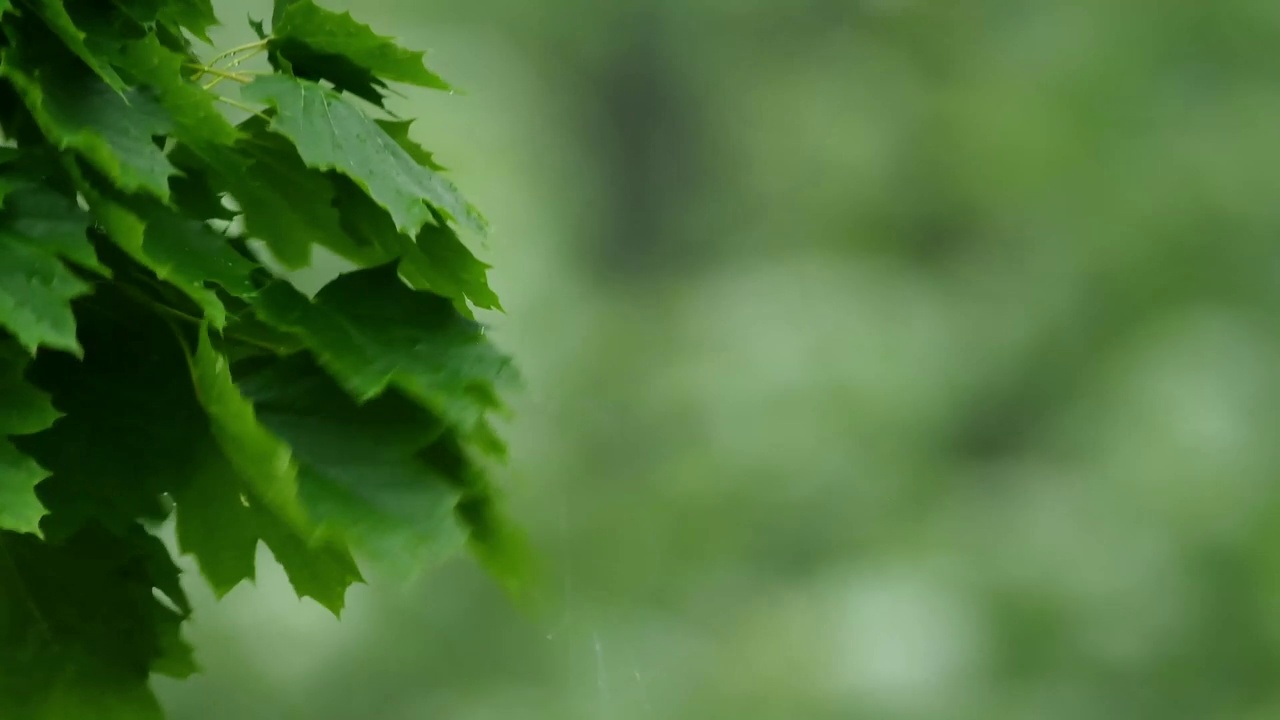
x=893, y=359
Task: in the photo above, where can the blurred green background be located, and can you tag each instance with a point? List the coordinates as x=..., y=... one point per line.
x=885, y=359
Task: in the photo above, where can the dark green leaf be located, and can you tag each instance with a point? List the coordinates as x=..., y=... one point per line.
x=130, y=424
x=129, y=232
x=373, y=332
x=52, y=221
x=436, y=260
x=36, y=291
x=81, y=628
x=25, y=410
x=75, y=110
x=56, y=18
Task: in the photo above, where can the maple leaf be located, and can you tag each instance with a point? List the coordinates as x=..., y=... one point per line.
x=435, y=260
x=77, y=110
x=26, y=410
x=318, y=44
x=82, y=628
x=54, y=14
x=318, y=565
x=332, y=134
x=373, y=332
x=361, y=466
x=38, y=230
x=282, y=201
x=154, y=364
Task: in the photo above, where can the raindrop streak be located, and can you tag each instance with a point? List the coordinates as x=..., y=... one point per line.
x=601, y=682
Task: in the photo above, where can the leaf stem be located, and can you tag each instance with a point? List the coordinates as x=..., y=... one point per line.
x=239, y=77
x=241, y=106
x=226, y=69
x=256, y=45
x=176, y=314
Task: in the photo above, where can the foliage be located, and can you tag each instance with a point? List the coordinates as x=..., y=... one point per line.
x=157, y=362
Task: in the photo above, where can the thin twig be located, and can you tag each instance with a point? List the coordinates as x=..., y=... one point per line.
x=223, y=74
x=256, y=45
x=233, y=64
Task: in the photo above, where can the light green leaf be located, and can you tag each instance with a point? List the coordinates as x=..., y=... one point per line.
x=214, y=524
x=339, y=35
x=195, y=117
x=399, y=131
x=332, y=134
x=360, y=465
x=316, y=562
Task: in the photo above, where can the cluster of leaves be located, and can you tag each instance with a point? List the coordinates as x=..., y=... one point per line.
x=156, y=361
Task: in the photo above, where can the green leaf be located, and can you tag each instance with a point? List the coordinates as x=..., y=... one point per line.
x=36, y=291
x=129, y=232
x=55, y=16
x=37, y=228
x=373, y=332
x=196, y=16
x=258, y=27
x=195, y=117
x=436, y=260
x=54, y=222
x=25, y=410
x=75, y=110
x=195, y=195
x=318, y=44
x=278, y=8
x=190, y=252
x=130, y=425
x=360, y=465
x=214, y=524
x=332, y=134
x=317, y=563
x=284, y=203
x=152, y=367
x=451, y=270
x=398, y=130
x=341, y=35
x=81, y=628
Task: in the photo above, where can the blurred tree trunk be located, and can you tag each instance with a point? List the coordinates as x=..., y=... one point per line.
x=650, y=130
